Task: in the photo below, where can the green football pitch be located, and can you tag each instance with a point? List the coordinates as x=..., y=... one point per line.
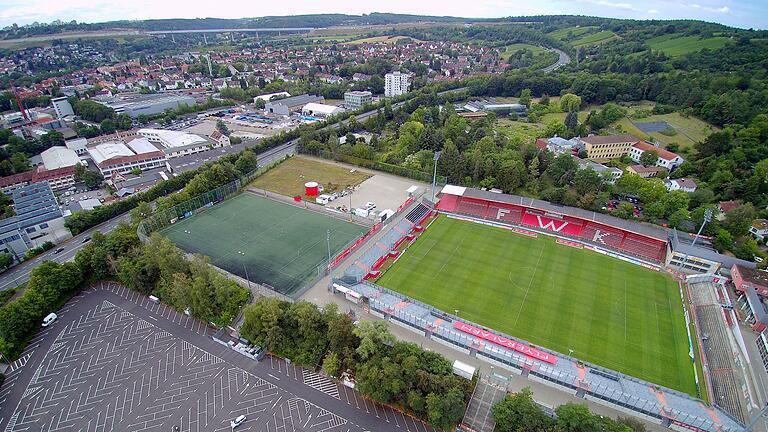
x=609, y=312
x=274, y=243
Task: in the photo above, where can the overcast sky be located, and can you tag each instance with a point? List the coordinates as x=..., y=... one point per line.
x=738, y=13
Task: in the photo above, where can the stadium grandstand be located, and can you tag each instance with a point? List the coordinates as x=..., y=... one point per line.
x=643, y=241
x=712, y=318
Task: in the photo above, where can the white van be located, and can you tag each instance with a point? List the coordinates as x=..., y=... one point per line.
x=154, y=299
x=49, y=319
x=323, y=199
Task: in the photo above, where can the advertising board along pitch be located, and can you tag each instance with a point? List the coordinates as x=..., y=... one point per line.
x=505, y=342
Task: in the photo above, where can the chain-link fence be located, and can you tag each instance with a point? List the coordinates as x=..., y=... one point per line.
x=163, y=218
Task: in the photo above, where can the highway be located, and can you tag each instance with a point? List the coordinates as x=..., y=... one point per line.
x=562, y=60
x=20, y=274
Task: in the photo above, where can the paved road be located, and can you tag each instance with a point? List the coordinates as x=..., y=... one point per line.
x=116, y=361
x=562, y=60
x=20, y=273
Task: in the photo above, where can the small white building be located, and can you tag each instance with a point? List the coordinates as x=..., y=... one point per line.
x=666, y=159
x=683, y=184
x=319, y=110
x=175, y=143
x=609, y=174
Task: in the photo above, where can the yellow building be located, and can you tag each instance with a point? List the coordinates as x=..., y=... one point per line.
x=603, y=148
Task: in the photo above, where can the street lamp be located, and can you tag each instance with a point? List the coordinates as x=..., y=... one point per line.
x=434, y=174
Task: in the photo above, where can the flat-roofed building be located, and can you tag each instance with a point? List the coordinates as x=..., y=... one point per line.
x=357, y=99
x=38, y=219
x=120, y=157
x=78, y=145
x=288, y=105
x=319, y=110
x=603, y=148
x=176, y=143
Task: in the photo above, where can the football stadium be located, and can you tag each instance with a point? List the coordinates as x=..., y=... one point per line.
x=264, y=241
x=595, y=307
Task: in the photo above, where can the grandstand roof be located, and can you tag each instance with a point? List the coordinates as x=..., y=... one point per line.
x=635, y=227
x=682, y=244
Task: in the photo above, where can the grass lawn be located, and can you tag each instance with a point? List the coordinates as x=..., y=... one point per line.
x=675, y=46
x=263, y=240
x=594, y=38
x=511, y=49
x=610, y=312
x=289, y=177
x=574, y=31
x=385, y=39
x=690, y=130
x=520, y=131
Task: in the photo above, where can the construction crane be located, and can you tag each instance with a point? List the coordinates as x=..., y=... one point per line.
x=18, y=102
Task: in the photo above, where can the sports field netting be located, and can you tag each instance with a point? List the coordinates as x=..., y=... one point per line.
x=609, y=312
x=275, y=243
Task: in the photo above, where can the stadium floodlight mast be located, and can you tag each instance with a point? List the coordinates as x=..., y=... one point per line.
x=434, y=174
x=245, y=269
x=707, y=218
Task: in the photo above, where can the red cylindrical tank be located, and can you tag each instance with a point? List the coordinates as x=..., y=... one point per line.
x=310, y=188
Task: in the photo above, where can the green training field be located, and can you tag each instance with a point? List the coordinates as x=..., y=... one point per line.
x=608, y=311
x=275, y=243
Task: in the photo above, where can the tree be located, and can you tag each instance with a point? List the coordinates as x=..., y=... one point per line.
x=331, y=364
x=674, y=201
x=247, y=162
x=373, y=336
x=555, y=128
x=587, y=181
x=262, y=323
x=573, y=417
x=222, y=127
x=649, y=158
x=445, y=411
x=624, y=210
x=108, y=126
x=525, y=97
x=651, y=190
x=6, y=260
x=518, y=412
x=570, y=102
x=738, y=220
x=572, y=121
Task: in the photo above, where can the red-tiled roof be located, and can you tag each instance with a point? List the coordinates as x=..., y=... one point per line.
x=16, y=178
x=727, y=206
x=607, y=139
x=663, y=153
x=643, y=169
x=541, y=143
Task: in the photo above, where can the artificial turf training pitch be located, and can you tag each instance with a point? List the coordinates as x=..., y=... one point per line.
x=275, y=243
x=609, y=312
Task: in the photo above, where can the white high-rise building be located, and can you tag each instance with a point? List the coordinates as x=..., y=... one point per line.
x=396, y=83
x=62, y=107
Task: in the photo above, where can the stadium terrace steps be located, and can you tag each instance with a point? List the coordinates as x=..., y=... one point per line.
x=717, y=348
x=371, y=257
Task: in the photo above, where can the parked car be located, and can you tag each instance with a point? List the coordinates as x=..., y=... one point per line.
x=49, y=319
x=237, y=422
x=369, y=205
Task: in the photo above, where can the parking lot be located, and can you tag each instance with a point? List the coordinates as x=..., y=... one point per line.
x=114, y=360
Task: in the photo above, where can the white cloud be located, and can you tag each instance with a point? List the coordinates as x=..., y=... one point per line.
x=625, y=6
x=653, y=11
x=722, y=9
